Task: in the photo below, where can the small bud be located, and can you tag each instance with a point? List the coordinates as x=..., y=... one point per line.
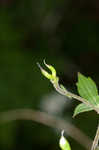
x=52, y=69
x=63, y=143
x=53, y=78
x=45, y=73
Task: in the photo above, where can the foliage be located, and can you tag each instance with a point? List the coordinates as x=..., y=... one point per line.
x=89, y=97
x=88, y=90
x=64, y=33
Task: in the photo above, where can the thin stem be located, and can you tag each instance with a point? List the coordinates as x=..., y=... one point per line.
x=96, y=139
x=69, y=94
x=55, y=81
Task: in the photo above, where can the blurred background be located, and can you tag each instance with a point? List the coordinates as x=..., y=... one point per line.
x=66, y=34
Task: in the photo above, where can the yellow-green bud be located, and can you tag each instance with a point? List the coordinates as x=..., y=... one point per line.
x=45, y=73
x=52, y=76
x=52, y=69
x=63, y=143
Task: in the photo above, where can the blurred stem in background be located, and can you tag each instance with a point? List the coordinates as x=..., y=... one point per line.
x=48, y=120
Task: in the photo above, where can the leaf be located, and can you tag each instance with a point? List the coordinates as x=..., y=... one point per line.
x=81, y=108
x=87, y=88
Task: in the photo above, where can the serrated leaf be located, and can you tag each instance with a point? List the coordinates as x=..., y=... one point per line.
x=81, y=108
x=87, y=88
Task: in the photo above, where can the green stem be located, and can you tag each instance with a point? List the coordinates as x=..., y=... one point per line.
x=96, y=139
x=64, y=92
x=55, y=81
x=69, y=94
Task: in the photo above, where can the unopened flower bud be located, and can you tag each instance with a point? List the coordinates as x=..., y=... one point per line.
x=63, y=143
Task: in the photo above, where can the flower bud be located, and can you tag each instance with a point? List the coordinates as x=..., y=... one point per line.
x=45, y=73
x=63, y=143
x=52, y=76
x=52, y=69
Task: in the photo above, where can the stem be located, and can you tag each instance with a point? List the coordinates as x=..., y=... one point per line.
x=55, y=81
x=96, y=139
x=64, y=92
x=48, y=120
x=71, y=95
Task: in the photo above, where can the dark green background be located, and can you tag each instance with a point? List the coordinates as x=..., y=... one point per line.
x=66, y=34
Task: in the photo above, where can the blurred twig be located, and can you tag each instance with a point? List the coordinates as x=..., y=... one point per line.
x=49, y=120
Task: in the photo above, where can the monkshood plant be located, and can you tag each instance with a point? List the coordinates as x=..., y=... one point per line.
x=89, y=99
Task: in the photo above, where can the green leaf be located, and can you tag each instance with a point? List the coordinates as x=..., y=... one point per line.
x=82, y=108
x=87, y=89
